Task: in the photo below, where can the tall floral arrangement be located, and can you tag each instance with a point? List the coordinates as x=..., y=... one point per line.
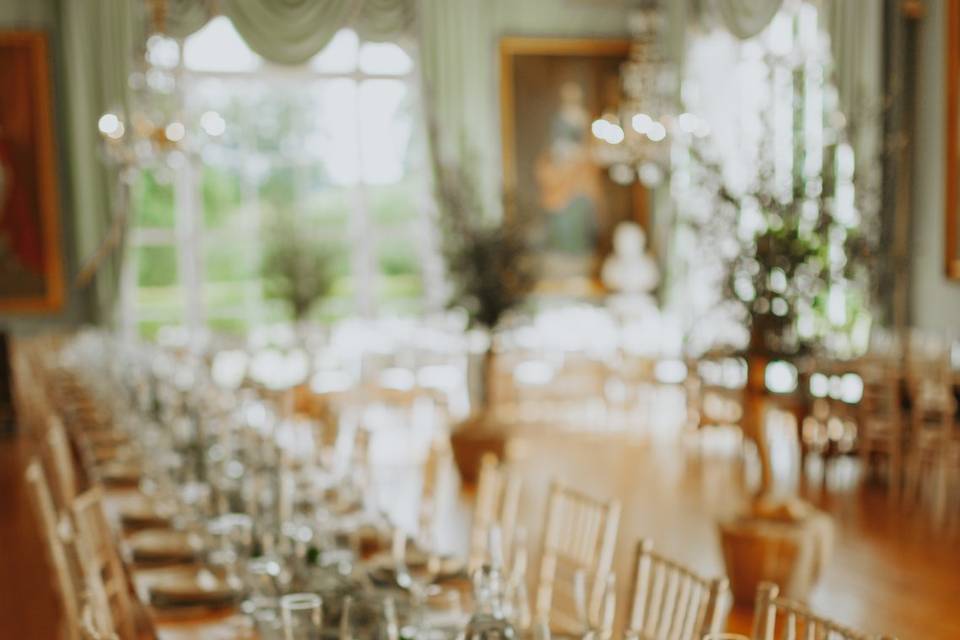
x=296, y=267
x=489, y=260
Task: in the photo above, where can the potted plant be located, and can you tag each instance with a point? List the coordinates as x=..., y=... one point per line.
x=490, y=266
x=784, y=246
x=296, y=266
x=489, y=261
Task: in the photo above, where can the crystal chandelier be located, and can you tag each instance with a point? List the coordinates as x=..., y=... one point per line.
x=151, y=128
x=633, y=140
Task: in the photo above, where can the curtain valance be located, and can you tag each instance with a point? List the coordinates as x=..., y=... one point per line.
x=293, y=31
x=746, y=18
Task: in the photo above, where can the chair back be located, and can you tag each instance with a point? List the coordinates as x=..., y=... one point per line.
x=578, y=543
x=66, y=575
x=670, y=601
x=774, y=614
x=498, y=499
x=61, y=461
x=101, y=560
x=96, y=621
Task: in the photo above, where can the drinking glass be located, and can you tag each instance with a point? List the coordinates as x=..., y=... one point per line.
x=442, y=616
x=302, y=616
x=266, y=618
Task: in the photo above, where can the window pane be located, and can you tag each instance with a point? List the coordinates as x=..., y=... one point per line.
x=221, y=194
x=157, y=266
x=395, y=204
x=328, y=209
x=340, y=55
x=400, y=287
x=338, y=112
x=153, y=201
x=230, y=259
x=158, y=300
x=218, y=47
x=384, y=58
x=385, y=134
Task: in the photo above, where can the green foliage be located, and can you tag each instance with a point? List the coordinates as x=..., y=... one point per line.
x=157, y=266
x=296, y=268
x=775, y=247
x=153, y=200
x=221, y=193
x=394, y=203
x=490, y=263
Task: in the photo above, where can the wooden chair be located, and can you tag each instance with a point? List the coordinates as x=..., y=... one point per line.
x=62, y=465
x=498, y=499
x=101, y=561
x=579, y=537
x=880, y=420
x=932, y=416
x=670, y=601
x=96, y=621
x=59, y=547
x=793, y=620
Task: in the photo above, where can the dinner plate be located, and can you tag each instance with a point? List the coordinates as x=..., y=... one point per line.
x=200, y=588
x=143, y=516
x=120, y=474
x=163, y=545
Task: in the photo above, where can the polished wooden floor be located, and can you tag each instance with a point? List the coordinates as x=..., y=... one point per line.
x=892, y=572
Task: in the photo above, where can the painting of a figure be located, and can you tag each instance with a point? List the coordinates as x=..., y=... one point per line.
x=952, y=127
x=552, y=90
x=30, y=269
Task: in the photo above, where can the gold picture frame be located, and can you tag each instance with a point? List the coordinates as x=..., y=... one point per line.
x=952, y=173
x=31, y=269
x=538, y=79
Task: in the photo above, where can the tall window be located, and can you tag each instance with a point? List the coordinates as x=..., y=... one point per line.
x=336, y=143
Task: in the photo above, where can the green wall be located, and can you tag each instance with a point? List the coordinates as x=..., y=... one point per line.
x=935, y=300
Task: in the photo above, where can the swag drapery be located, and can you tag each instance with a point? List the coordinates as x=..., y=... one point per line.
x=291, y=32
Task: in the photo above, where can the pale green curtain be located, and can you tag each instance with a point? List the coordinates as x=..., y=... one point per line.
x=293, y=31
x=288, y=31
x=746, y=18
x=856, y=42
x=457, y=53
x=97, y=39
x=183, y=17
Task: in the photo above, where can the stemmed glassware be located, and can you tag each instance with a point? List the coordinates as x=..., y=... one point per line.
x=302, y=615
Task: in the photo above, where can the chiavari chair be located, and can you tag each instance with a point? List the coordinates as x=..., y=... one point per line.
x=774, y=614
x=670, y=601
x=434, y=470
x=498, y=499
x=61, y=462
x=96, y=621
x=932, y=417
x=59, y=546
x=880, y=419
x=101, y=560
x=579, y=538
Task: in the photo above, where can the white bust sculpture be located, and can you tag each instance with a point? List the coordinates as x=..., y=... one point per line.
x=629, y=270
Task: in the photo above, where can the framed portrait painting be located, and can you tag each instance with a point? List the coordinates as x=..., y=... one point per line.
x=952, y=174
x=30, y=263
x=552, y=89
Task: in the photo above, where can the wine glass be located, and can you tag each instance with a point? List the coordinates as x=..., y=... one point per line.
x=302, y=616
x=442, y=615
